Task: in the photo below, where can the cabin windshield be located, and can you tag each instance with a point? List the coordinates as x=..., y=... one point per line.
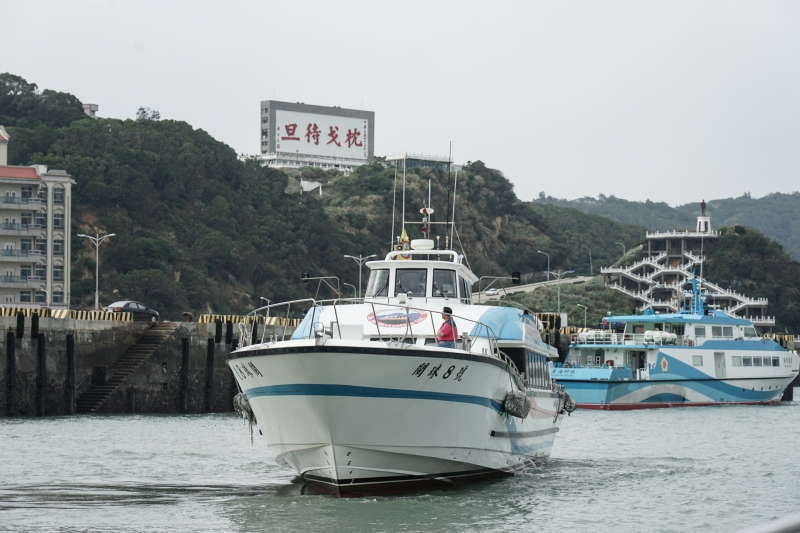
x=378, y=284
x=444, y=283
x=411, y=281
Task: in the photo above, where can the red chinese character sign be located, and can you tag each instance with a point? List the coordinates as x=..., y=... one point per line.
x=321, y=135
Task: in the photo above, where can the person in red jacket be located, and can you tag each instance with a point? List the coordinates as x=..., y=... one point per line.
x=448, y=333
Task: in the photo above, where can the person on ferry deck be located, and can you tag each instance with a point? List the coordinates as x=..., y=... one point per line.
x=448, y=333
x=412, y=285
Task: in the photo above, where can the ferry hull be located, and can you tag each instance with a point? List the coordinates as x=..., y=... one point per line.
x=370, y=420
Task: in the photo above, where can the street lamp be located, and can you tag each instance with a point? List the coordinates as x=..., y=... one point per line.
x=97, y=240
x=623, y=247
x=558, y=276
x=591, y=268
x=548, y=262
x=360, y=260
x=584, y=314
x=354, y=289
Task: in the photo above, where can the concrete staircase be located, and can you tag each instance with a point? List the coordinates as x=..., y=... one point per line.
x=133, y=358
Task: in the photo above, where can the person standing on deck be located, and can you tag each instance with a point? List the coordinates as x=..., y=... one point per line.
x=448, y=333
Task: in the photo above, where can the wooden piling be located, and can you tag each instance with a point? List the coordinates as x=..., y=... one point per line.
x=70, y=374
x=184, y=375
x=11, y=344
x=42, y=374
x=210, y=375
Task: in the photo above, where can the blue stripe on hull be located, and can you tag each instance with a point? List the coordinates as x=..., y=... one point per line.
x=302, y=389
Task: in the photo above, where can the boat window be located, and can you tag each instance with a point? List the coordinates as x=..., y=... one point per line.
x=444, y=283
x=411, y=281
x=466, y=294
x=747, y=361
x=756, y=361
x=697, y=360
x=700, y=331
x=716, y=331
x=736, y=360
x=776, y=361
x=750, y=332
x=727, y=331
x=378, y=284
x=677, y=329
x=638, y=329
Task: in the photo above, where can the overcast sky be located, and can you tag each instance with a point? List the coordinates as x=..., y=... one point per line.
x=671, y=101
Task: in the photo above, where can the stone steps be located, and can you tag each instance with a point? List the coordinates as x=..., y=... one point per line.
x=123, y=367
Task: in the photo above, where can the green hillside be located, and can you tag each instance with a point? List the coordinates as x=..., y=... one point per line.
x=776, y=215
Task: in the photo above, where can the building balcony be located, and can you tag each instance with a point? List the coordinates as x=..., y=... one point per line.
x=21, y=282
x=22, y=256
x=21, y=229
x=15, y=202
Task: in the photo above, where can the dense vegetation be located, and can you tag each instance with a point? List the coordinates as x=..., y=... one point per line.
x=777, y=215
x=200, y=230
x=746, y=261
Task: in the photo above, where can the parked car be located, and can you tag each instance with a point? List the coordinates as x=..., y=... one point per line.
x=137, y=309
x=492, y=292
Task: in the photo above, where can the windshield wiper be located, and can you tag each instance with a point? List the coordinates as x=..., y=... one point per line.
x=378, y=292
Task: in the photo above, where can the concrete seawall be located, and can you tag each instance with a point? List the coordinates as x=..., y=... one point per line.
x=165, y=382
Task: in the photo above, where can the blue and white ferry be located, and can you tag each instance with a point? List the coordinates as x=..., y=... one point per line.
x=696, y=357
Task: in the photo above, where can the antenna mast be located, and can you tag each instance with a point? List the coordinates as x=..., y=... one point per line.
x=447, y=243
x=394, y=206
x=453, y=223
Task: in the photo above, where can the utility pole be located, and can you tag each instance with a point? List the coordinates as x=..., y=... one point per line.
x=584, y=314
x=360, y=260
x=97, y=240
x=591, y=268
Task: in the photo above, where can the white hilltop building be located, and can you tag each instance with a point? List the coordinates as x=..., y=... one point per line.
x=662, y=280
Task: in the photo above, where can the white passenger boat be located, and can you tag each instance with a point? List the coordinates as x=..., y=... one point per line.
x=362, y=400
x=697, y=357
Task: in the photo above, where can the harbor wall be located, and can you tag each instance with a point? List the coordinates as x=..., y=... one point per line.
x=155, y=386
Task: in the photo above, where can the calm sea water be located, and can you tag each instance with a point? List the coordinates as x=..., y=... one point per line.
x=671, y=470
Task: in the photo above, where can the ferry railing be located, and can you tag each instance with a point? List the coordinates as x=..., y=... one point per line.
x=468, y=342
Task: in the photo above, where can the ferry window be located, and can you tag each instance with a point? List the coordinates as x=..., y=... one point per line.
x=756, y=361
x=411, y=281
x=378, y=284
x=466, y=297
x=700, y=331
x=747, y=361
x=776, y=361
x=638, y=329
x=716, y=331
x=697, y=360
x=736, y=360
x=727, y=331
x=444, y=283
x=750, y=332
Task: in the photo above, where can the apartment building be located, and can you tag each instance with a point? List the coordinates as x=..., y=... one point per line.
x=35, y=221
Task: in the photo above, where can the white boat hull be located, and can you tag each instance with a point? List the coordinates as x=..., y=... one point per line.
x=354, y=420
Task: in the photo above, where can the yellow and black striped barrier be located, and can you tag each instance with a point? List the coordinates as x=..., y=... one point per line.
x=101, y=315
x=549, y=320
x=236, y=319
x=67, y=313
x=26, y=311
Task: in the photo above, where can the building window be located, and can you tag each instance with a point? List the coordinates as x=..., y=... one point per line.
x=26, y=219
x=58, y=246
x=9, y=298
x=26, y=244
x=265, y=120
x=41, y=220
x=58, y=297
x=265, y=110
x=58, y=221
x=697, y=360
x=58, y=195
x=41, y=246
x=40, y=297
x=25, y=296
x=25, y=272
x=58, y=273
x=27, y=192
x=40, y=271
x=43, y=193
